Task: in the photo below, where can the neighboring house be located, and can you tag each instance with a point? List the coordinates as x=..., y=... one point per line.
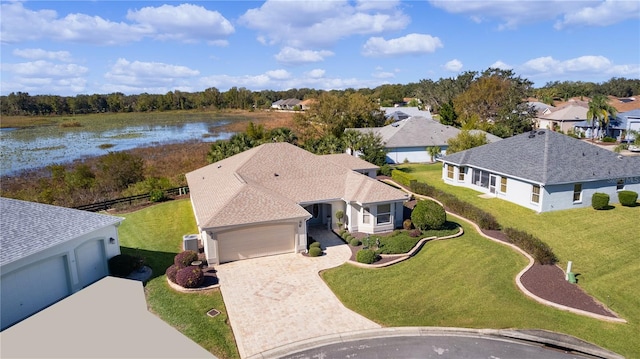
x=563, y=118
x=48, y=253
x=543, y=171
x=407, y=140
x=402, y=113
x=354, y=163
x=624, y=123
x=286, y=104
x=108, y=319
x=541, y=108
x=306, y=104
x=260, y=202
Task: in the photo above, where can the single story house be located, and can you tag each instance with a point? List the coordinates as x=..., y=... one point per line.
x=543, y=170
x=563, y=118
x=408, y=139
x=260, y=202
x=108, y=319
x=541, y=108
x=286, y=104
x=402, y=113
x=48, y=253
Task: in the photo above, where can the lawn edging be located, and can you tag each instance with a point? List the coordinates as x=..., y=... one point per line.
x=404, y=256
x=518, y=280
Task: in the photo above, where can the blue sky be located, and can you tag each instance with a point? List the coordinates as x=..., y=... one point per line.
x=85, y=47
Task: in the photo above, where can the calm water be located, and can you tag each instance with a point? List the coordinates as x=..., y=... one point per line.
x=30, y=148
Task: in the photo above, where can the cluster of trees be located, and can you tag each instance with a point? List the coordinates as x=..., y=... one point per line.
x=562, y=91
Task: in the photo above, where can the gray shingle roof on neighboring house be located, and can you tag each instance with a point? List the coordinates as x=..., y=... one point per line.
x=418, y=132
x=29, y=227
x=547, y=158
x=410, y=111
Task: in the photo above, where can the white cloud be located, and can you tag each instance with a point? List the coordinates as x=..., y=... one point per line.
x=383, y=75
x=144, y=75
x=292, y=56
x=278, y=74
x=605, y=13
x=589, y=66
x=501, y=65
x=316, y=73
x=454, y=65
x=35, y=54
x=411, y=44
x=512, y=13
x=304, y=24
x=185, y=22
x=44, y=77
x=42, y=68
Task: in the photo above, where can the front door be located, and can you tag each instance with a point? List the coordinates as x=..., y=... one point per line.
x=492, y=183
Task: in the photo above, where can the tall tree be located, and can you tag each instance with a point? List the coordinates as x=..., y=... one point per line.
x=599, y=111
x=466, y=140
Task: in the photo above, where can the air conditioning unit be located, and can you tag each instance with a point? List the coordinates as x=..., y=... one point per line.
x=190, y=242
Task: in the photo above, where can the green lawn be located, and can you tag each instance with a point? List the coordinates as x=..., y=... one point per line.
x=603, y=246
x=155, y=233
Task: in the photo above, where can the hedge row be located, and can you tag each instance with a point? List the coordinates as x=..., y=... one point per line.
x=401, y=177
x=539, y=250
x=627, y=198
x=484, y=219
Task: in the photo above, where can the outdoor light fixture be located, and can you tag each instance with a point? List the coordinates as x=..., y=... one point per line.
x=112, y=240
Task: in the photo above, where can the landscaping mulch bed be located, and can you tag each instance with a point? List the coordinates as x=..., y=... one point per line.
x=548, y=282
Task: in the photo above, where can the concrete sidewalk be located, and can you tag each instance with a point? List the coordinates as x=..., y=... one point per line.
x=277, y=300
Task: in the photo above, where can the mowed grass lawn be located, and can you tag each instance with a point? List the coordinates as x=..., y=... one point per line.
x=469, y=281
x=155, y=233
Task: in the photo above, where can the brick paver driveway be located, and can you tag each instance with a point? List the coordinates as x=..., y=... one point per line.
x=277, y=300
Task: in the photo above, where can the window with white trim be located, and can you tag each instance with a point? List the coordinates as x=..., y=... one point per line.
x=577, y=193
x=366, y=215
x=503, y=184
x=450, y=171
x=535, y=193
x=383, y=215
x=461, y=174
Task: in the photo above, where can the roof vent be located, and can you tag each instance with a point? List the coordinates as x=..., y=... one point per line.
x=276, y=175
x=619, y=157
x=219, y=166
x=532, y=136
x=541, y=132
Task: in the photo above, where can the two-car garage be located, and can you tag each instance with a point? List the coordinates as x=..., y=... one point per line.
x=256, y=241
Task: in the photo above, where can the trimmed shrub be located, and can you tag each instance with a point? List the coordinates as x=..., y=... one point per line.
x=599, y=200
x=342, y=232
x=627, y=198
x=157, y=195
x=609, y=139
x=539, y=250
x=401, y=177
x=339, y=215
x=315, y=251
x=122, y=265
x=366, y=256
x=184, y=259
x=190, y=277
x=172, y=271
x=385, y=170
x=314, y=245
x=428, y=214
x=407, y=224
x=355, y=242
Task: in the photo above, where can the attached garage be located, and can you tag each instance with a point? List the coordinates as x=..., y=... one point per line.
x=91, y=261
x=257, y=241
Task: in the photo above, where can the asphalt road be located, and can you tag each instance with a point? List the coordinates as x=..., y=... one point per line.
x=441, y=347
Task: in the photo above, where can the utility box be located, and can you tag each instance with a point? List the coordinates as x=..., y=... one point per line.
x=190, y=242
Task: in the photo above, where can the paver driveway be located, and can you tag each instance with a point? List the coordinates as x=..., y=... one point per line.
x=277, y=300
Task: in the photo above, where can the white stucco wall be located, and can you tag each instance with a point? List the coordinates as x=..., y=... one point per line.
x=412, y=154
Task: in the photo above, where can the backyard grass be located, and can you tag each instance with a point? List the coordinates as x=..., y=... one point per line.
x=460, y=286
x=155, y=233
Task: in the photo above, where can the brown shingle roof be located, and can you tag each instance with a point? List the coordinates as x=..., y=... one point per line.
x=352, y=162
x=269, y=182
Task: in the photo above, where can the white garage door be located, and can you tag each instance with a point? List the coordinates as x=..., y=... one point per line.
x=255, y=242
x=91, y=261
x=35, y=287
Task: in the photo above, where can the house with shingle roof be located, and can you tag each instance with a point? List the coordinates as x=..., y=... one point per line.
x=49, y=252
x=543, y=170
x=408, y=139
x=563, y=118
x=260, y=202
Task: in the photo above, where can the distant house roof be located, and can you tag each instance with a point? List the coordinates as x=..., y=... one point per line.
x=540, y=107
x=271, y=181
x=573, y=111
x=547, y=158
x=354, y=163
x=623, y=119
x=108, y=319
x=29, y=227
x=418, y=132
x=397, y=112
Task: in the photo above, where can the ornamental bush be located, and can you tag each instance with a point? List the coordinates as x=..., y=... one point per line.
x=599, y=200
x=184, y=259
x=539, y=250
x=314, y=245
x=355, y=242
x=315, y=251
x=407, y=224
x=428, y=214
x=172, y=271
x=190, y=277
x=122, y=265
x=609, y=139
x=157, y=195
x=627, y=198
x=366, y=256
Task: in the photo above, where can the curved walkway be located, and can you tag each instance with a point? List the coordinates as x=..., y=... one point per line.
x=522, y=288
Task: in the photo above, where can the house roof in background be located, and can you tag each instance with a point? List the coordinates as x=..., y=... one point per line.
x=548, y=158
x=410, y=111
x=572, y=111
x=271, y=181
x=98, y=323
x=30, y=227
x=418, y=132
x=352, y=162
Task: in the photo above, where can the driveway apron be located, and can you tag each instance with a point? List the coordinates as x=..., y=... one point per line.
x=277, y=300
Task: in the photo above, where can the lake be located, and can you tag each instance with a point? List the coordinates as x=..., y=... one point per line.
x=40, y=146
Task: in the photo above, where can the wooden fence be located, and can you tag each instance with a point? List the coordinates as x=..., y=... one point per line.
x=103, y=206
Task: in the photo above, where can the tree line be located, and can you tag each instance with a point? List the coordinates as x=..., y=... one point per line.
x=430, y=93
